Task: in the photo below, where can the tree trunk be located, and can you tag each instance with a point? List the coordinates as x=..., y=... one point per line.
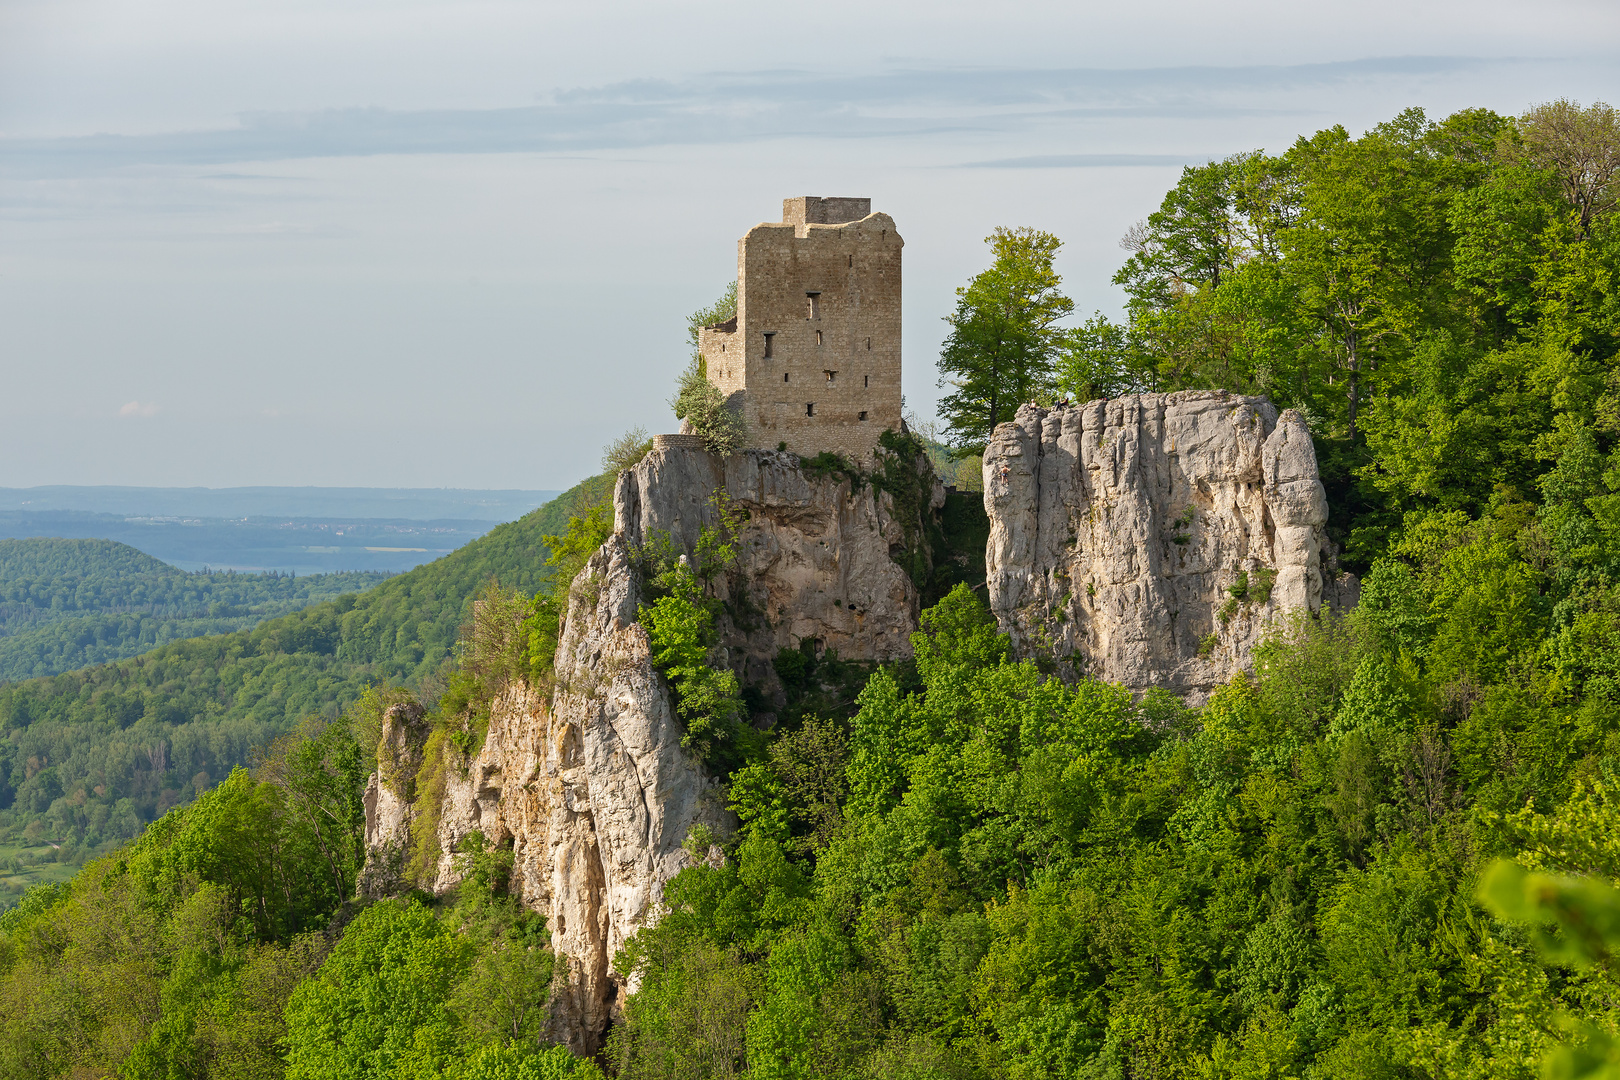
x=995, y=400
x=1352, y=398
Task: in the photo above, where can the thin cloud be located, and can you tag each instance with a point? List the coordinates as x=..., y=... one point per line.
x=734, y=107
x=138, y=408
x=1084, y=161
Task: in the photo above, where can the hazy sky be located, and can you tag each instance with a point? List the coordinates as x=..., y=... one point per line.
x=429, y=243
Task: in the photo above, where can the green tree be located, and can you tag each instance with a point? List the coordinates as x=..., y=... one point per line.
x=379, y=1005
x=712, y=315
x=1581, y=147
x=698, y=401
x=1003, y=340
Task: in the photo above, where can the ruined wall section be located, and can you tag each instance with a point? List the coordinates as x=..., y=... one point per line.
x=1150, y=540
x=815, y=346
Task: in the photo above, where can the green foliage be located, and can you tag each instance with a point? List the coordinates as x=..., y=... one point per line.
x=495, y=1061
x=177, y=955
x=713, y=315
x=681, y=627
x=1003, y=339
x=1018, y=878
x=1095, y=360
x=378, y=1006
x=959, y=866
x=92, y=756
x=1432, y=295
x=1576, y=923
x=700, y=403
x=206, y=949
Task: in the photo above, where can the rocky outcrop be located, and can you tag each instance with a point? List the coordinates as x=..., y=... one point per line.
x=389, y=796
x=813, y=561
x=1148, y=540
x=592, y=788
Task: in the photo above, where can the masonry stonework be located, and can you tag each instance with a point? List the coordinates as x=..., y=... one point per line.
x=812, y=358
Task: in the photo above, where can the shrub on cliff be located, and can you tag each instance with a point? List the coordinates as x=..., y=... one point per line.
x=699, y=402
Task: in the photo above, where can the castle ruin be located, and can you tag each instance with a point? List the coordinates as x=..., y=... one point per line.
x=812, y=358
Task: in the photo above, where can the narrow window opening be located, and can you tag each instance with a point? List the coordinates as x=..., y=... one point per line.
x=769, y=334
x=832, y=376
x=852, y=262
x=809, y=408
x=868, y=344
x=863, y=414
x=818, y=337
x=784, y=376
x=866, y=381
x=815, y=304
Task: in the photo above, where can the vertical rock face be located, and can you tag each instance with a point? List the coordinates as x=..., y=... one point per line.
x=388, y=798
x=813, y=561
x=592, y=789
x=1147, y=540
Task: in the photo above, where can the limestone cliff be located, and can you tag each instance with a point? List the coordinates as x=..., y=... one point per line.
x=389, y=797
x=1148, y=540
x=592, y=788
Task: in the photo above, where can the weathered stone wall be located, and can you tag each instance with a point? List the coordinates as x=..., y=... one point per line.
x=1120, y=529
x=826, y=289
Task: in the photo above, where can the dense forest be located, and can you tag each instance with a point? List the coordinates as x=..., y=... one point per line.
x=66, y=604
x=91, y=756
x=1389, y=852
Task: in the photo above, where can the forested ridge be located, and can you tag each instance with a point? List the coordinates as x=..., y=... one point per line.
x=91, y=756
x=65, y=604
x=1389, y=852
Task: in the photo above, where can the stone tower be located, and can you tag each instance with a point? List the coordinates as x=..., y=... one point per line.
x=813, y=357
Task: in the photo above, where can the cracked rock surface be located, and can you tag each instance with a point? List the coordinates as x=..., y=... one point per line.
x=591, y=787
x=1149, y=540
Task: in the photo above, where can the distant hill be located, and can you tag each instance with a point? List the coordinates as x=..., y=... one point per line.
x=65, y=604
x=410, y=504
x=287, y=530
x=286, y=545
x=90, y=756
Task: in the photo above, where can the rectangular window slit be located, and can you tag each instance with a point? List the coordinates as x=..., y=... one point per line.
x=809, y=408
x=863, y=414
x=815, y=304
x=868, y=344
x=866, y=381
x=769, y=334
x=818, y=337
x=784, y=376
